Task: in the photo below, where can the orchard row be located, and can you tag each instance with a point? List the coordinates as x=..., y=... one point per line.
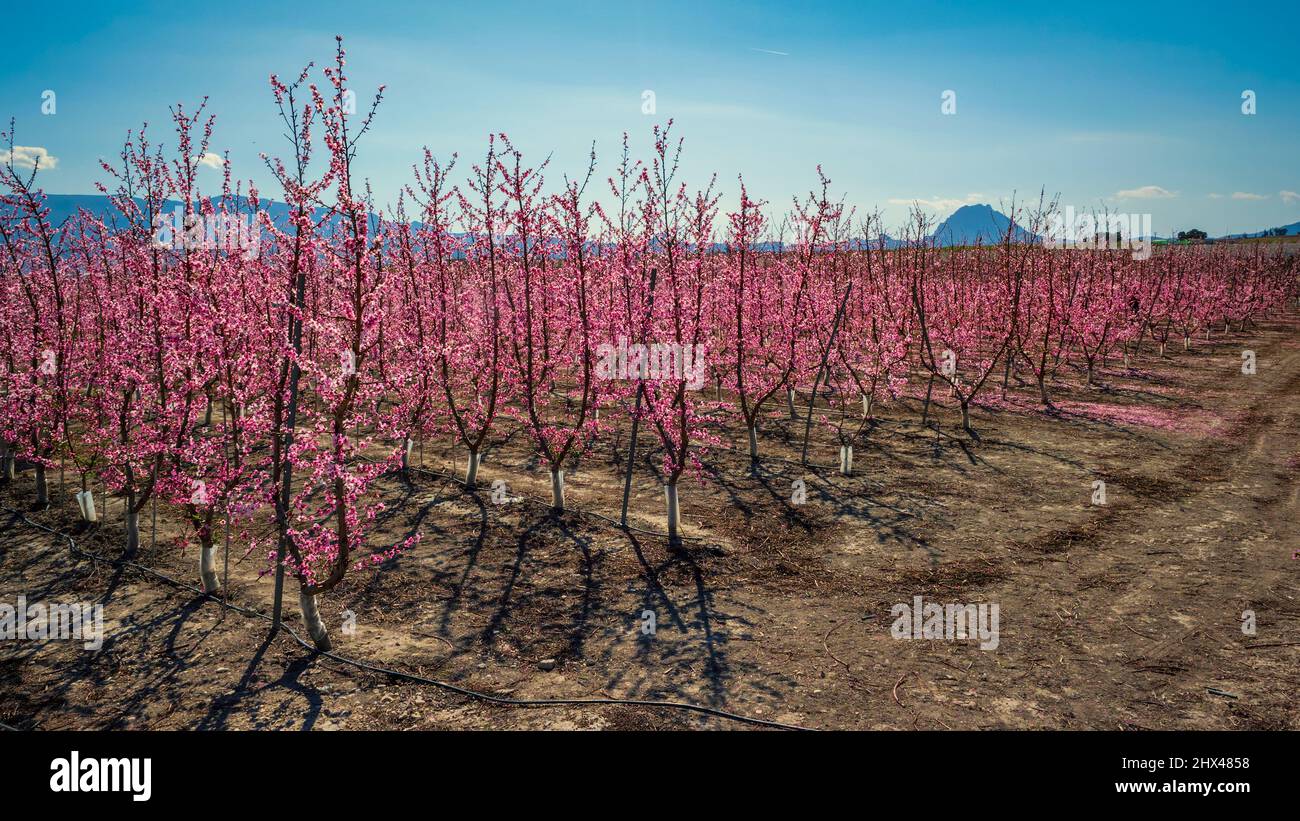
x=245, y=382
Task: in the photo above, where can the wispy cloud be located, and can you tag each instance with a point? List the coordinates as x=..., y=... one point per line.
x=1215, y=196
x=211, y=160
x=1289, y=197
x=940, y=204
x=1246, y=195
x=1146, y=192
x=29, y=156
x=770, y=51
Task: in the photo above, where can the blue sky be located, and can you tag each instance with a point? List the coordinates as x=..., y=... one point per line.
x=1088, y=101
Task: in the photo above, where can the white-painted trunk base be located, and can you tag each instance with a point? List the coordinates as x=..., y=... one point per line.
x=471, y=469
x=846, y=460
x=311, y=618
x=557, y=489
x=674, y=511
x=86, y=504
x=208, y=568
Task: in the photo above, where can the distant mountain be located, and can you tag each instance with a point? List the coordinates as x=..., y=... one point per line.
x=64, y=206
x=977, y=223
x=965, y=226
x=1291, y=230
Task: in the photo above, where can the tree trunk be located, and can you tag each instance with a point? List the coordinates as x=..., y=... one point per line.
x=674, y=511
x=753, y=445
x=208, y=564
x=846, y=460
x=132, y=529
x=789, y=401
x=311, y=618
x=925, y=409
x=471, y=470
x=631, y=456
x=557, y=489
x=42, y=487
x=86, y=502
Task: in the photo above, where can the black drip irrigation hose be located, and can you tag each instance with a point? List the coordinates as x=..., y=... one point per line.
x=398, y=674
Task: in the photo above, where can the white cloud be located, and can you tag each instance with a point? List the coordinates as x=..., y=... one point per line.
x=1146, y=192
x=1215, y=196
x=1289, y=197
x=211, y=160
x=27, y=156
x=1245, y=195
x=940, y=204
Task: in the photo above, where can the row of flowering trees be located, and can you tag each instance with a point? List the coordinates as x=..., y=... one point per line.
x=261, y=376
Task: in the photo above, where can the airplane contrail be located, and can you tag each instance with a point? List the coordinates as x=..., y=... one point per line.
x=770, y=51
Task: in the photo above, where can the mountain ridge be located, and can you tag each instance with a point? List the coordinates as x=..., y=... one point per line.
x=976, y=222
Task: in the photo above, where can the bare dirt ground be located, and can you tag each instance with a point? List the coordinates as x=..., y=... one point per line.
x=1122, y=616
